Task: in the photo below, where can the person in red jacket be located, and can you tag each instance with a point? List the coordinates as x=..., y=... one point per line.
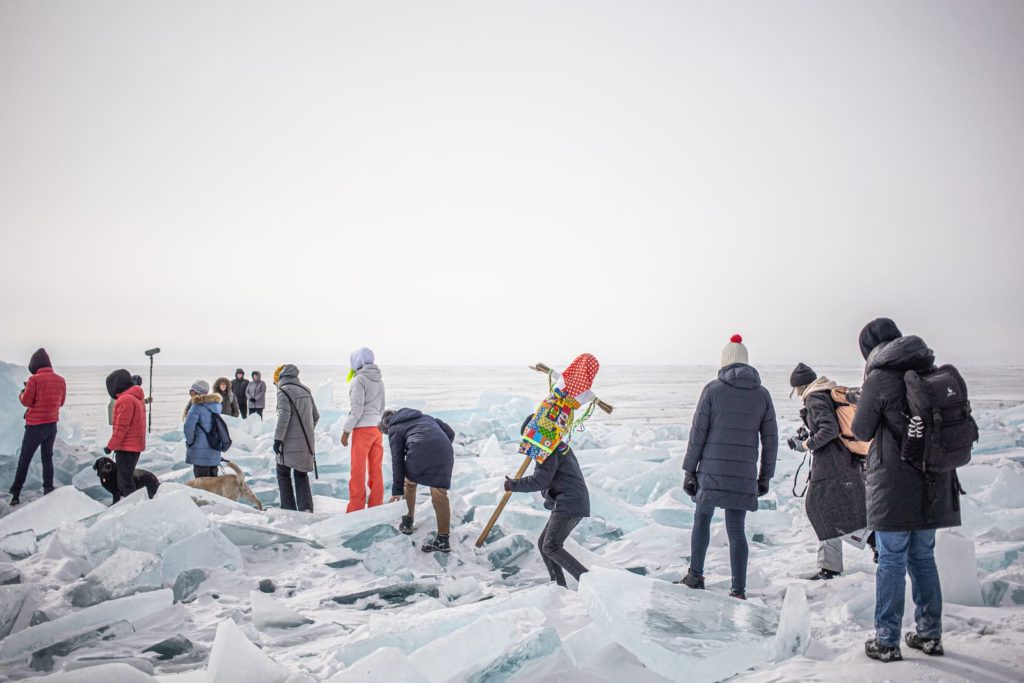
x=128, y=439
x=43, y=396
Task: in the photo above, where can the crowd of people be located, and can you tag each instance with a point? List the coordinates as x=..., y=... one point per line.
x=879, y=469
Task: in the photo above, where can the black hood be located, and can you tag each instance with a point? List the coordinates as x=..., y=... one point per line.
x=40, y=359
x=238, y=372
x=740, y=375
x=878, y=331
x=118, y=382
x=905, y=353
x=404, y=415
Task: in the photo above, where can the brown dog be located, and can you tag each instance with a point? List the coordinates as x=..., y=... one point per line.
x=231, y=486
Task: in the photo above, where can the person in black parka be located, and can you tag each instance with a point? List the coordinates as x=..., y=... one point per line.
x=904, y=505
x=835, y=492
x=421, y=453
x=238, y=386
x=560, y=480
x=733, y=415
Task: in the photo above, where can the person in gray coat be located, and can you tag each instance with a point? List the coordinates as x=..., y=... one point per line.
x=721, y=464
x=256, y=394
x=294, y=440
x=904, y=505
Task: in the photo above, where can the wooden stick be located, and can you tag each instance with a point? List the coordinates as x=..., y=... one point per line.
x=501, y=505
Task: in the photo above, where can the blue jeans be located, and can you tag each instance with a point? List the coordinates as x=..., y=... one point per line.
x=735, y=527
x=900, y=552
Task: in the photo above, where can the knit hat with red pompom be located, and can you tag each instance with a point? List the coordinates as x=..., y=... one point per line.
x=734, y=351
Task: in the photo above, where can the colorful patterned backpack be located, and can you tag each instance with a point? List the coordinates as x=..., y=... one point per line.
x=554, y=419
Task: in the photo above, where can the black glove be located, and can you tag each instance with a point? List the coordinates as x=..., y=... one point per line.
x=797, y=445
x=106, y=451
x=690, y=483
x=853, y=395
x=762, y=487
x=508, y=483
x=279, y=446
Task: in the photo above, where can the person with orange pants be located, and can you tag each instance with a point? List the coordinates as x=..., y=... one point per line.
x=366, y=407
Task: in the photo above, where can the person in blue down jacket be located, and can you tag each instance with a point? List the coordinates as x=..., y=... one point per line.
x=565, y=492
x=205, y=460
x=421, y=453
x=721, y=464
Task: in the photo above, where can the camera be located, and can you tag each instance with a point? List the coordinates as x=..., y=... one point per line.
x=801, y=435
x=152, y=352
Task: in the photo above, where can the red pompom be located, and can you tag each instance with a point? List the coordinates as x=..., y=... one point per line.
x=736, y=339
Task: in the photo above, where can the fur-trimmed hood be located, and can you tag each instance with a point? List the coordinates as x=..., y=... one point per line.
x=215, y=388
x=207, y=398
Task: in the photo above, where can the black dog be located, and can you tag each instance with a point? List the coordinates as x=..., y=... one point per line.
x=106, y=470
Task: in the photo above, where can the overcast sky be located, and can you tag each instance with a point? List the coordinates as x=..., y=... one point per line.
x=484, y=182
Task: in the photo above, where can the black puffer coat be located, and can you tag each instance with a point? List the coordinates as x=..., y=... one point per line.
x=734, y=413
x=899, y=497
x=835, y=497
x=421, y=450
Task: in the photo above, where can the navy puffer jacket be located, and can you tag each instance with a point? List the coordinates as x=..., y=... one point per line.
x=733, y=415
x=421, y=450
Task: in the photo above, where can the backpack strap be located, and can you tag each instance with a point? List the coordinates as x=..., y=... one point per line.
x=796, y=477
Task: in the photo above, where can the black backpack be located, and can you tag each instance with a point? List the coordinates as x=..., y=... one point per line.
x=939, y=398
x=218, y=437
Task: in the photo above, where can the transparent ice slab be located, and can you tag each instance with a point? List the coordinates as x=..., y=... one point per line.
x=77, y=623
x=681, y=634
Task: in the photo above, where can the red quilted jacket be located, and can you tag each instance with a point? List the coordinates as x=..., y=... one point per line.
x=43, y=395
x=129, y=422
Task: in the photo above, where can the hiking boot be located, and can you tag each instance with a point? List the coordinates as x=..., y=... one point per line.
x=883, y=653
x=739, y=595
x=823, y=575
x=438, y=545
x=406, y=526
x=930, y=646
x=15, y=500
x=693, y=580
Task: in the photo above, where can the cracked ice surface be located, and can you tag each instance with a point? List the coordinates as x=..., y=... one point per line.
x=290, y=596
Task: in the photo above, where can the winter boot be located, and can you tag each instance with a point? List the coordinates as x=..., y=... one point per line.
x=739, y=595
x=883, y=653
x=438, y=545
x=929, y=646
x=406, y=526
x=823, y=575
x=15, y=500
x=693, y=580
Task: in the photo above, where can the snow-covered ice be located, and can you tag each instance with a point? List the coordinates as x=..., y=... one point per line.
x=192, y=587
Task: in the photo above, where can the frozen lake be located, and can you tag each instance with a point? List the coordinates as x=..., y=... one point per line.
x=641, y=394
x=329, y=596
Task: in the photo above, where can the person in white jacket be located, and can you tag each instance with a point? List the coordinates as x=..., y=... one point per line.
x=366, y=407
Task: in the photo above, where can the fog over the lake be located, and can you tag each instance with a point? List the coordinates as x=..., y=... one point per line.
x=466, y=182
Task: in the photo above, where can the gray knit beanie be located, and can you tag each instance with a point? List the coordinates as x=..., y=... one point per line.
x=200, y=386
